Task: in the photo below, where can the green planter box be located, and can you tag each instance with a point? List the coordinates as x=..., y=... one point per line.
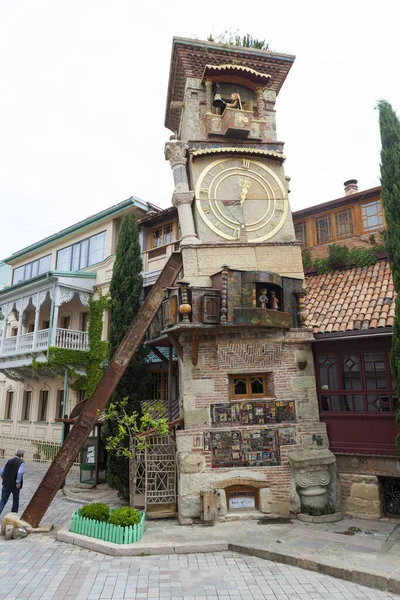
x=107, y=532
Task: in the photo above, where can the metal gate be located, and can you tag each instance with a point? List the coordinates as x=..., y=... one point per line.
x=391, y=496
x=155, y=477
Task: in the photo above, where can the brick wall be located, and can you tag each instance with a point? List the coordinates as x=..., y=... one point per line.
x=208, y=383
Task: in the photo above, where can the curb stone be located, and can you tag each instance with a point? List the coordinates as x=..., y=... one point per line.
x=140, y=548
x=375, y=579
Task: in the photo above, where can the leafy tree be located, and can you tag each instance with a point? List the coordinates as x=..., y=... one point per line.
x=133, y=426
x=390, y=181
x=125, y=294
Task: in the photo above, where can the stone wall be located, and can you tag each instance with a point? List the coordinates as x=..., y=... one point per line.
x=208, y=383
x=360, y=495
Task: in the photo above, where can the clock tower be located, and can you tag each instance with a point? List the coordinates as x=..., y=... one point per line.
x=252, y=440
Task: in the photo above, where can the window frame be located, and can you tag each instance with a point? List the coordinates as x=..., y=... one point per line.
x=59, y=403
x=378, y=214
x=77, y=248
x=341, y=394
x=155, y=387
x=29, y=268
x=328, y=217
x=248, y=377
x=350, y=222
x=163, y=236
x=303, y=236
x=43, y=413
x=26, y=405
x=8, y=409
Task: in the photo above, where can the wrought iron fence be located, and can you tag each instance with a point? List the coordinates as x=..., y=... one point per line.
x=37, y=451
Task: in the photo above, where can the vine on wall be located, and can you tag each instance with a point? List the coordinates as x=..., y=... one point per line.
x=98, y=349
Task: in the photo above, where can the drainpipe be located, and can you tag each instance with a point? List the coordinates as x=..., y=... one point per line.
x=51, y=314
x=64, y=404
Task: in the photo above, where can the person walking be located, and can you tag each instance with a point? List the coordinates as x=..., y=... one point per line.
x=12, y=473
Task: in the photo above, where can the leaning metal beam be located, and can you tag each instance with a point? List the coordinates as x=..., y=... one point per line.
x=75, y=440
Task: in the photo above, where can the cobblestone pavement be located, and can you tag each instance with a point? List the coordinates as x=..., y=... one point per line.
x=40, y=567
x=44, y=568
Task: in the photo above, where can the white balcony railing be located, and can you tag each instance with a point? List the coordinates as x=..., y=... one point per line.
x=73, y=340
x=36, y=342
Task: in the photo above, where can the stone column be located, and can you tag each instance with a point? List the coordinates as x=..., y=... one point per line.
x=260, y=102
x=175, y=153
x=209, y=97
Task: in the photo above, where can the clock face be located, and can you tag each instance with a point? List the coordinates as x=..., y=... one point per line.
x=240, y=198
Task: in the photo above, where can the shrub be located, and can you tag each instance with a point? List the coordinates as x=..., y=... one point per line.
x=125, y=517
x=96, y=511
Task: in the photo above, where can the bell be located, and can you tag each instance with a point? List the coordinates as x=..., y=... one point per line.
x=218, y=102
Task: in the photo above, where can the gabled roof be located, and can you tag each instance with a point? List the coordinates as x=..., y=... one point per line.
x=357, y=298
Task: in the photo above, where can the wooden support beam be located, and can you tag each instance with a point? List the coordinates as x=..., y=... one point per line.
x=62, y=463
x=175, y=342
x=195, y=348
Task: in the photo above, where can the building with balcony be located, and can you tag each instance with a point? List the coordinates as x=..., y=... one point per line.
x=46, y=306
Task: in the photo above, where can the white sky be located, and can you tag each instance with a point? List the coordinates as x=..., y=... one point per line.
x=83, y=91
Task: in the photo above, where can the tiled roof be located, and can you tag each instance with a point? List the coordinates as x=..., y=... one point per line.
x=153, y=358
x=351, y=299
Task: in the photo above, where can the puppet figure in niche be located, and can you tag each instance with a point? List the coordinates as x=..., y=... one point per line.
x=263, y=299
x=273, y=301
x=235, y=101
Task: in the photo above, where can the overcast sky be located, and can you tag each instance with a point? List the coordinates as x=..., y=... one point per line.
x=83, y=91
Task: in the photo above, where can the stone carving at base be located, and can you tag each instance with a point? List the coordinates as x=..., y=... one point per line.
x=315, y=480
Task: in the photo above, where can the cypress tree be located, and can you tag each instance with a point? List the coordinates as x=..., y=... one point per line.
x=390, y=181
x=125, y=294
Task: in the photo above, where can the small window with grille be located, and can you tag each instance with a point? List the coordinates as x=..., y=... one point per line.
x=248, y=386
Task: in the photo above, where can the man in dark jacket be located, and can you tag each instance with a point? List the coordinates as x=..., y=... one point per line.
x=12, y=474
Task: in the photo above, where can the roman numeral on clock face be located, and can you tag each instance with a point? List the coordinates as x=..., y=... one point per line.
x=204, y=191
x=246, y=163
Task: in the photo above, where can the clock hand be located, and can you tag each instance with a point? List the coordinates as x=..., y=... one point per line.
x=245, y=184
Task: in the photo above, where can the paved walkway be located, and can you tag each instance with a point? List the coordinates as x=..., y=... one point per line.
x=40, y=567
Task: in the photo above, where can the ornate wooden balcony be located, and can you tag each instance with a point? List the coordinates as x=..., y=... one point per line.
x=234, y=123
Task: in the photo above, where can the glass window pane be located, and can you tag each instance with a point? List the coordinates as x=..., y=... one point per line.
x=64, y=259
x=351, y=372
x=328, y=373
x=375, y=373
x=84, y=254
x=168, y=233
x=76, y=250
x=44, y=264
x=97, y=248
x=239, y=386
x=18, y=274
x=157, y=237
x=35, y=268
x=28, y=271
x=324, y=229
x=257, y=385
x=378, y=403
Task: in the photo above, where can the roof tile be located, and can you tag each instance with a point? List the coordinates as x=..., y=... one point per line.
x=351, y=299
